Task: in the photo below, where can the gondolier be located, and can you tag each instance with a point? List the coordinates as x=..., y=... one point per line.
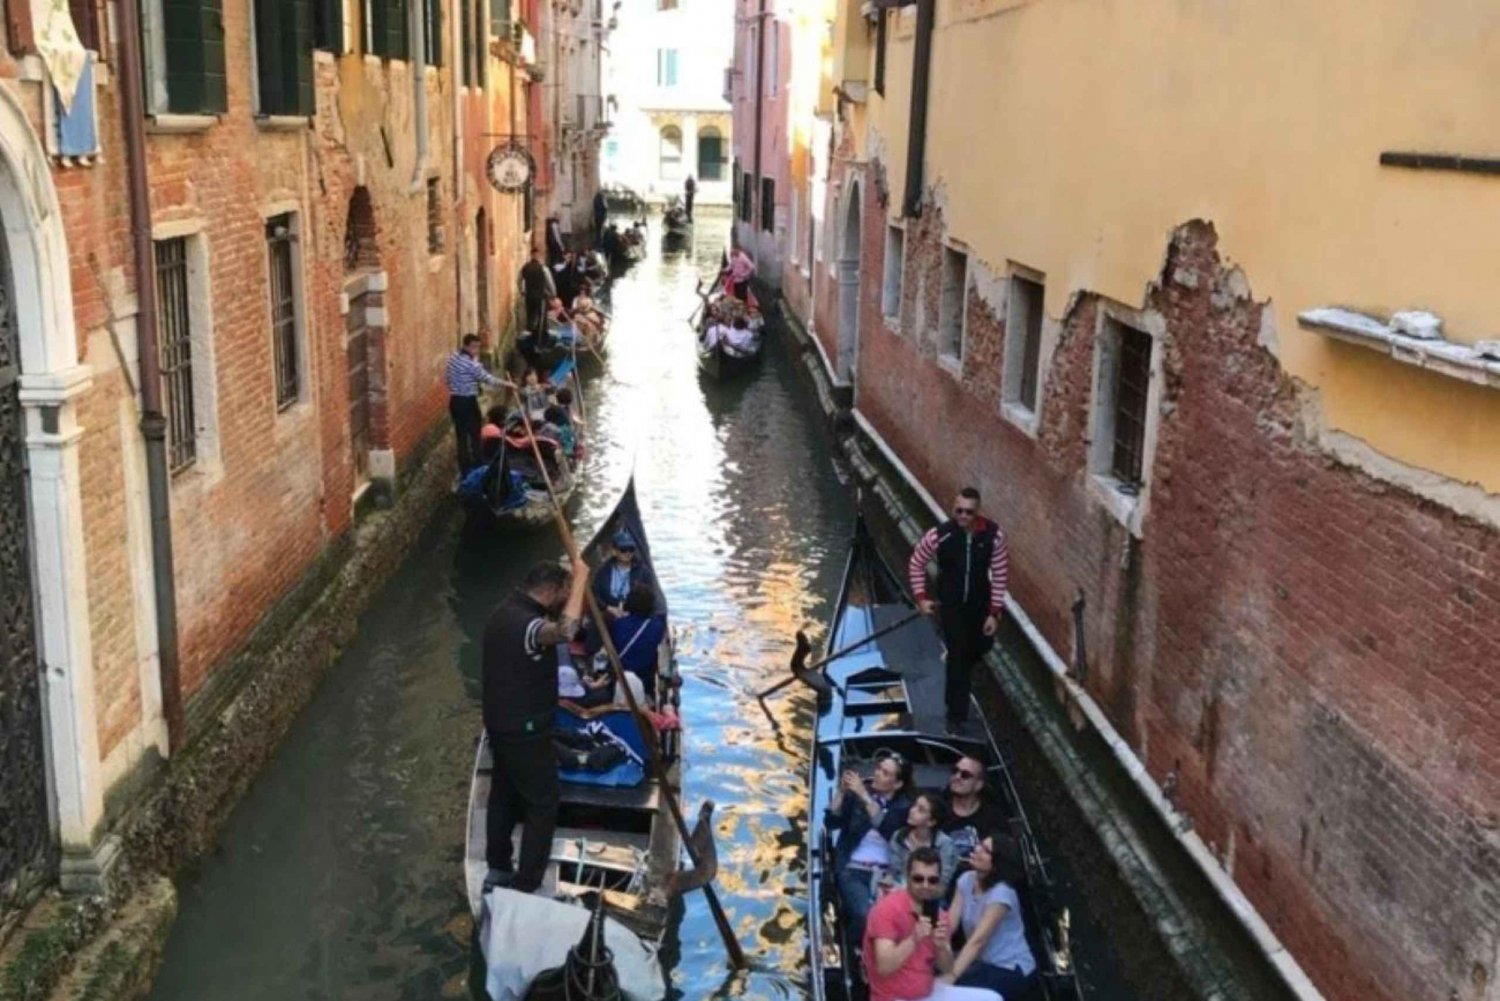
x=973, y=567
x=537, y=288
x=465, y=375
x=520, y=696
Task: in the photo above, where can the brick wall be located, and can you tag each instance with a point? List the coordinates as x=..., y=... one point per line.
x=1309, y=651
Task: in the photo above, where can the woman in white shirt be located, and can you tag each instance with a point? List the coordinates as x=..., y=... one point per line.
x=987, y=907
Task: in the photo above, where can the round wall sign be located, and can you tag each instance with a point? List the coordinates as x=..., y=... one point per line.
x=510, y=168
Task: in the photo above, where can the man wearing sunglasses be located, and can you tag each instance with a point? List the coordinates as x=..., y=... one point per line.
x=973, y=568
x=969, y=815
x=907, y=941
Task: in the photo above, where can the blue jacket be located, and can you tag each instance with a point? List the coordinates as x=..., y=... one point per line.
x=854, y=820
x=602, y=576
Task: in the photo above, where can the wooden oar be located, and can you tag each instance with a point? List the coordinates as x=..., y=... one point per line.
x=811, y=675
x=648, y=730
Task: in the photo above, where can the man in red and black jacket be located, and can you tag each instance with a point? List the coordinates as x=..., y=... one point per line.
x=973, y=566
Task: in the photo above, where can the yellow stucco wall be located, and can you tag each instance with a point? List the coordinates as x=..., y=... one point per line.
x=1073, y=136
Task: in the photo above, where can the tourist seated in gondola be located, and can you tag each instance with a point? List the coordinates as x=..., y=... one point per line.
x=987, y=907
x=867, y=813
x=536, y=396
x=922, y=830
x=586, y=320
x=637, y=635
x=908, y=945
x=560, y=324
x=557, y=422
x=614, y=580
x=585, y=305
x=969, y=814
x=739, y=338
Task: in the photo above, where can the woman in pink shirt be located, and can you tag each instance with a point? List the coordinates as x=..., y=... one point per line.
x=741, y=270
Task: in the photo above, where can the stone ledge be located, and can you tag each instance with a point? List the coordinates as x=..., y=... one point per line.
x=1477, y=363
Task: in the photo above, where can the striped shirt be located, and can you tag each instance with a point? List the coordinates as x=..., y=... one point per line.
x=999, y=571
x=465, y=375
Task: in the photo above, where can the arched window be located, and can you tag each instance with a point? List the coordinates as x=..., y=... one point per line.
x=710, y=155
x=671, y=153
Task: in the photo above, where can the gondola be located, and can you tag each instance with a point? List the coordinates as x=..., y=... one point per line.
x=676, y=223
x=514, y=491
x=888, y=694
x=720, y=364
x=615, y=839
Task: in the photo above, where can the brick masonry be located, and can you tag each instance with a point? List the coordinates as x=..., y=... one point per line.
x=1301, y=650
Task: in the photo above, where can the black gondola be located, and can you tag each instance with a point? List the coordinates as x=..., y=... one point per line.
x=616, y=840
x=888, y=694
x=720, y=363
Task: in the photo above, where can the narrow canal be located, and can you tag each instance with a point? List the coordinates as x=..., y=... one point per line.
x=339, y=874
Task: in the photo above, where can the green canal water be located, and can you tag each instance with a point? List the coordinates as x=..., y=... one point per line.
x=339, y=875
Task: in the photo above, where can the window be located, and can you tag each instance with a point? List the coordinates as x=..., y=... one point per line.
x=499, y=22
x=466, y=30
x=432, y=33
x=671, y=152
x=951, y=306
x=747, y=196
x=283, y=58
x=434, y=216
x=185, y=49
x=895, y=263
x=1132, y=385
x=880, y=51
x=328, y=25
x=1023, y=344
x=710, y=155
x=279, y=238
x=767, y=204
x=385, y=28
x=666, y=67
x=175, y=333
x=85, y=22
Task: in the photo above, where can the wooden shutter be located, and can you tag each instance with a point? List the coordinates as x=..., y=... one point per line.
x=395, y=28
x=434, y=39
x=328, y=25
x=194, y=44
x=283, y=56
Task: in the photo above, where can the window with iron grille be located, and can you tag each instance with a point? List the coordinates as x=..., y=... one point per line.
x=1023, y=343
x=767, y=204
x=175, y=335
x=1132, y=390
x=279, y=239
x=434, y=216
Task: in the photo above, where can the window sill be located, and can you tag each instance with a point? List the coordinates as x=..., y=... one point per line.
x=952, y=364
x=1022, y=417
x=1476, y=363
x=892, y=322
x=169, y=124
x=1123, y=507
x=282, y=123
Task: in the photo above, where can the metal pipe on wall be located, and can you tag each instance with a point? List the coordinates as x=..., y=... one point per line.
x=132, y=88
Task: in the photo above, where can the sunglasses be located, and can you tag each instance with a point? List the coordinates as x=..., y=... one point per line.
x=924, y=880
x=964, y=512
x=964, y=773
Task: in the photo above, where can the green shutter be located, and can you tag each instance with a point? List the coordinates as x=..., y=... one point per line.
x=283, y=56
x=396, y=46
x=499, y=20
x=194, y=45
x=328, y=25
x=466, y=23
x=434, y=32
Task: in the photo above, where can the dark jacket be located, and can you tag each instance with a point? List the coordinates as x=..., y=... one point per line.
x=854, y=820
x=536, y=281
x=964, y=564
x=519, y=677
x=602, y=577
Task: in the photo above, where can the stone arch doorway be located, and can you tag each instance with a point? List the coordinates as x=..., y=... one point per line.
x=848, y=271
x=26, y=843
x=364, y=338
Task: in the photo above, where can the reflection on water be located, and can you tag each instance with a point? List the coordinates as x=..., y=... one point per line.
x=339, y=875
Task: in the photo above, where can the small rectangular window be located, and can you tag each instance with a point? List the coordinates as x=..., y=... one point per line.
x=466, y=32
x=432, y=34
x=666, y=67
x=1023, y=343
x=175, y=334
x=954, y=298
x=747, y=196
x=880, y=51
x=279, y=239
x=1131, y=391
x=434, y=216
x=768, y=204
x=895, y=263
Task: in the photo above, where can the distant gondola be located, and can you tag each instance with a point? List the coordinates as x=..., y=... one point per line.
x=615, y=838
x=888, y=695
x=719, y=363
x=676, y=223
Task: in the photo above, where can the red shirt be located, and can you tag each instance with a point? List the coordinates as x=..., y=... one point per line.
x=893, y=919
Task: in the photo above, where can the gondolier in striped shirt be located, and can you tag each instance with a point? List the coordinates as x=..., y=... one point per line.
x=465, y=376
x=973, y=568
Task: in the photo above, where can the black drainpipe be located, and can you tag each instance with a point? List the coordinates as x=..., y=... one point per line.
x=916, y=140
x=757, y=210
x=153, y=424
